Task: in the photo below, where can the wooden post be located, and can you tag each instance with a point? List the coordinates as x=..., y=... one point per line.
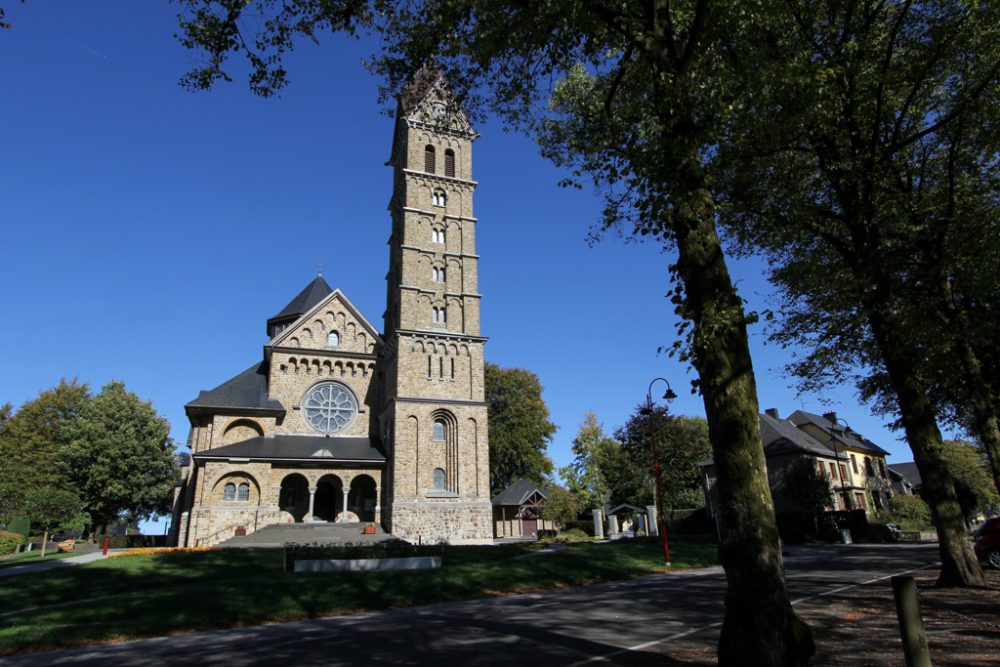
x=911, y=626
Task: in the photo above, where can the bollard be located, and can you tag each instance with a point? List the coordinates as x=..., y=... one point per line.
x=911, y=626
x=104, y=551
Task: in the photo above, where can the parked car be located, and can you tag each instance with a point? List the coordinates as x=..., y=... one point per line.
x=987, y=544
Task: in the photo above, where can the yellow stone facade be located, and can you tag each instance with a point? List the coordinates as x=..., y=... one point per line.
x=414, y=454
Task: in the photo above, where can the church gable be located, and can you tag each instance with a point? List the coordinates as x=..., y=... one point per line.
x=333, y=325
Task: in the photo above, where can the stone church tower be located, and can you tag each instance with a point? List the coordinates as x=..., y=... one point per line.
x=433, y=410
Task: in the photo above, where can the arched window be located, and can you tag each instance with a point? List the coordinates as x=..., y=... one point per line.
x=449, y=163
x=243, y=492
x=230, y=492
x=333, y=340
x=437, y=235
x=438, y=315
x=439, y=429
x=439, y=274
x=439, y=478
x=429, y=159
x=440, y=198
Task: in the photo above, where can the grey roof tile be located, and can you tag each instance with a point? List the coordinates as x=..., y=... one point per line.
x=516, y=493
x=299, y=448
x=313, y=293
x=845, y=437
x=247, y=391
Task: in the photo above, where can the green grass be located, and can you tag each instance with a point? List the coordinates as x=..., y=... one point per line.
x=32, y=557
x=158, y=594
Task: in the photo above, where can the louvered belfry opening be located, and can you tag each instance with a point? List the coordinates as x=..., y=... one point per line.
x=449, y=163
x=429, y=159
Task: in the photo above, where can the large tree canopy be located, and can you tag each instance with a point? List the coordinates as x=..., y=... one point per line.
x=520, y=429
x=120, y=457
x=868, y=146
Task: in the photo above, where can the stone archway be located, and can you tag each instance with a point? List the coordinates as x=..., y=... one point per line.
x=362, y=497
x=294, y=496
x=329, y=500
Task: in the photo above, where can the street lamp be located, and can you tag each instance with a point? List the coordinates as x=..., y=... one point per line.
x=848, y=505
x=647, y=410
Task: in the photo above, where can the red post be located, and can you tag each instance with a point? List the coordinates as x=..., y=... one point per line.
x=660, y=522
x=105, y=550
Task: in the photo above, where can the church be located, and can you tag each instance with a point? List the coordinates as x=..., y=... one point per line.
x=339, y=422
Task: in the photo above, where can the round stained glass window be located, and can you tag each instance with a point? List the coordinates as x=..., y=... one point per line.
x=329, y=407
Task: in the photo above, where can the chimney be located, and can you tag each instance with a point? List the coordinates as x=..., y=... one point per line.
x=772, y=412
x=830, y=416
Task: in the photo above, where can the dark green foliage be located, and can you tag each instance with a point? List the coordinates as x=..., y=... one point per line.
x=520, y=429
x=973, y=483
x=681, y=444
x=592, y=452
x=910, y=512
x=802, y=488
x=20, y=524
x=120, y=457
x=11, y=502
x=51, y=509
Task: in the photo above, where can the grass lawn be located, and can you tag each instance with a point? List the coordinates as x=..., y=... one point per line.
x=158, y=594
x=32, y=557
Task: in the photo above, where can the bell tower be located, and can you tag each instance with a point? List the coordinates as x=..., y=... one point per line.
x=434, y=418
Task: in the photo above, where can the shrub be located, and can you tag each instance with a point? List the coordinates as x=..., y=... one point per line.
x=911, y=513
x=21, y=525
x=9, y=542
x=546, y=534
x=572, y=535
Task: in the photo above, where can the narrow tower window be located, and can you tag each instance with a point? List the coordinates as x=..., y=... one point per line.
x=437, y=235
x=333, y=340
x=243, y=493
x=449, y=163
x=440, y=198
x=439, y=479
x=439, y=274
x=429, y=159
x=438, y=315
x=229, y=493
x=438, y=429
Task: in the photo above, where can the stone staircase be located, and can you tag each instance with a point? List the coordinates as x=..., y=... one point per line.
x=306, y=533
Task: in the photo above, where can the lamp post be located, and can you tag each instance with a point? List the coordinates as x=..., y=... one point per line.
x=669, y=395
x=848, y=505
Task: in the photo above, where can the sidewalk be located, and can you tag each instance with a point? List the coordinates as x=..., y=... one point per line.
x=27, y=568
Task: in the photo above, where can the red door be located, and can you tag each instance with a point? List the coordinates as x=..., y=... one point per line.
x=529, y=527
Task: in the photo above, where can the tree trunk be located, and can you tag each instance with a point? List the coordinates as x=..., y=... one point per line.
x=760, y=626
x=959, y=566
x=981, y=404
x=45, y=540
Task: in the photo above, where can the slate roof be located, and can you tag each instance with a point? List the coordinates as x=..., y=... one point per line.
x=782, y=437
x=299, y=448
x=516, y=493
x=845, y=437
x=313, y=293
x=909, y=471
x=246, y=391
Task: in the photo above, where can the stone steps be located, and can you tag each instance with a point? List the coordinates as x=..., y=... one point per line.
x=307, y=533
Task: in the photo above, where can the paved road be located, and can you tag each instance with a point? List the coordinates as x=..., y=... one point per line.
x=574, y=626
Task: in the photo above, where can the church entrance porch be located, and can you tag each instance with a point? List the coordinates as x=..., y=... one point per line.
x=329, y=499
x=363, y=498
x=294, y=496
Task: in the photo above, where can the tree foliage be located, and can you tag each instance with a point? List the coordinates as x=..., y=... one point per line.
x=561, y=506
x=973, y=483
x=33, y=438
x=910, y=512
x=120, y=457
x=802, y=488
x=681, y=444
x=54, y=509
x=584, y=477
x=520, y=430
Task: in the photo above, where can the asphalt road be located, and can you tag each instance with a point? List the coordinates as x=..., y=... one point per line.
x=627, y=622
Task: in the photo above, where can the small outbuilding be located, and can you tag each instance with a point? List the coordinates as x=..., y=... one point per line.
x=517, y=511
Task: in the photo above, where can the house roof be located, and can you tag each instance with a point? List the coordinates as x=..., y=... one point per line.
x=517, y=493
x=246, y=391
x=844, y=436
x=909, y=471
x=313, y=293
x=299, y=448
x=781, y=436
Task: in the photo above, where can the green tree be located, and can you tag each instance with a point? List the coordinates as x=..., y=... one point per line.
x=802, y=488
x=644, y=97
x=681, y=444
x=561, y=506
x=520, y=429
x=849, y=192
x=910, y=512
x=120, y=457
x=54, y=509
x=583, y=477
x=11, y=502
x=32, y=439
x=973, y=483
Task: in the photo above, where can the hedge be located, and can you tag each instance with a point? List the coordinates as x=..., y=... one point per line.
x=9, y=542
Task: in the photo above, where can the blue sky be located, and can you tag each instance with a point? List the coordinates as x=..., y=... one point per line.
x=148, y=232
